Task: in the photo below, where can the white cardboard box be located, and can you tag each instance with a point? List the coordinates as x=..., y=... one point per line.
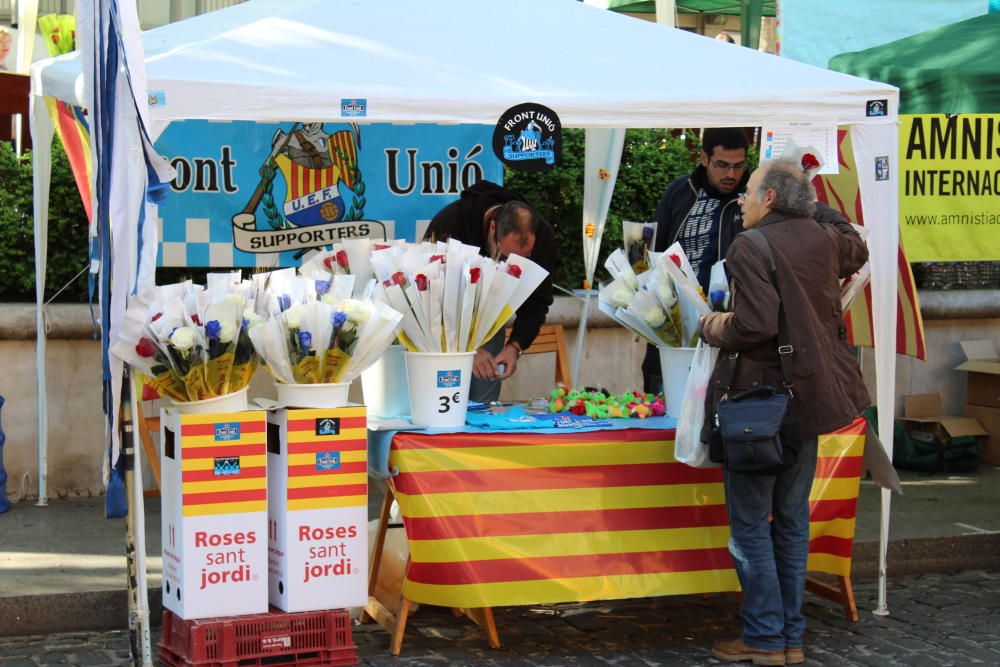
x=213, y=485
x=317, y=506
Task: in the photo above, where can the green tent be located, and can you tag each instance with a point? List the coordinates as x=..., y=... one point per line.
x=951, y=69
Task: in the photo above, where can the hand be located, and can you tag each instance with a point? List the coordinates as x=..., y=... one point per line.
x=484, y=366
x=507, y=356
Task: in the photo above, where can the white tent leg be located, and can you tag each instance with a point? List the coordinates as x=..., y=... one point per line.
x=876, y=145
x=138, y=508
x=581, y=334
x=41, y=136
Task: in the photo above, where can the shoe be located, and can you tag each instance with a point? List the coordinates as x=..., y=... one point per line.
x=795, y=655
x=734, y=650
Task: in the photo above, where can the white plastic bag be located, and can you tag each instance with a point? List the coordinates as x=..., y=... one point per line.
x=688, y=447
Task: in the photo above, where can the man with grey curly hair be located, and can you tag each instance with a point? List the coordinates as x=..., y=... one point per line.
x=813, y=247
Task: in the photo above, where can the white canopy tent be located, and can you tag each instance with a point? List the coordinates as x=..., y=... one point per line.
x=451, y=61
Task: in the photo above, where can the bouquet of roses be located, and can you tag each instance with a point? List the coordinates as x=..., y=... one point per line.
x=347, y=258
x=660, y=304
x=314, y=332
x=451, y=298
x=192, y=342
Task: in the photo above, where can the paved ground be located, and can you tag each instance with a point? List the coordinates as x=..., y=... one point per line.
x=949, y=619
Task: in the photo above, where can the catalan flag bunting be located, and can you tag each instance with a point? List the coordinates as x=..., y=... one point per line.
x=840, y=191
x=515, y=519
x=326, y=471
x=70, y=125
x=223, y=476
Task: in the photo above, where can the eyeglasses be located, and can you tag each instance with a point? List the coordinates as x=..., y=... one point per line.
x=722, y=165
x=742, y=198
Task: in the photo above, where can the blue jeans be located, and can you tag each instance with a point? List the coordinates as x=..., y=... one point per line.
x=769, y=541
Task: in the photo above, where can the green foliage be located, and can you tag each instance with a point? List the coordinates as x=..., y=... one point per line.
x=67, y=238
x=651, y=159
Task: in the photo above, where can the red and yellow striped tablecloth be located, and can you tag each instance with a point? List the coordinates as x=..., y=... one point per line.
x=521, y=518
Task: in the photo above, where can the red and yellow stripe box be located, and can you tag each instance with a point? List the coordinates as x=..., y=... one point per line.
x=214, y=502
x=317, y=507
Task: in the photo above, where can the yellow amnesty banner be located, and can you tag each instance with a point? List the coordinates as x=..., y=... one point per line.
x=949, y=187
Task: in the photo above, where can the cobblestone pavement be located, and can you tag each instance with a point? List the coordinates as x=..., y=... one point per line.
x=951, y=619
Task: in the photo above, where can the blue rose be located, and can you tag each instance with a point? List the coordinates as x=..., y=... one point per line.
x=213, y=329
x=305, y=340
x=284, y=302
x=322, y=287
x=338, y=319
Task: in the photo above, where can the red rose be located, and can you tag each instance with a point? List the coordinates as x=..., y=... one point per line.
x=386, y=283
x=676, y=259
x=156, y=317
x=381, y=246
x=196, y=319
x=328, y=262
x=474, y=275
x=342, y=258
x=437, y=258
x=421, y=281
x=809, y=162
x=514, y=270
x=145, y=347
x=399, y=278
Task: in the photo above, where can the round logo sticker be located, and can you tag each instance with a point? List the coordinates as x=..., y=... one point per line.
x=528, y=137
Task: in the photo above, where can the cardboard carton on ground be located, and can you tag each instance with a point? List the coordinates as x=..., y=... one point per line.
x=922, y=414
x=990, y=419
x=317, y=505
x=213, y=487
x=983, y=365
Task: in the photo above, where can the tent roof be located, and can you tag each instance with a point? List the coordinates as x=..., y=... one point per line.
x=455, y=61
x=951, y=69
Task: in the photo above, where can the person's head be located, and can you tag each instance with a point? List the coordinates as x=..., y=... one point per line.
x=5, y=43
x=724, y=157
x=510, y=229
x=778, y=185
x=725, y=37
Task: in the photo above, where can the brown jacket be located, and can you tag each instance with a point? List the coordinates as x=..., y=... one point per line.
x=810, y=256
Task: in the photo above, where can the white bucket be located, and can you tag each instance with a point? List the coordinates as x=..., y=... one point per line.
x=384, y=385
x=234, y=402
x=332, y=395
x=675, y=363
x=439, y=387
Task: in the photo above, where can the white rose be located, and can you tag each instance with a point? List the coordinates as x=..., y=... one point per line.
x=635, y=233
x=666, y=294
x=226, y=332
x=621, y=296
x=293, y=316
x=252, y=318
x=654, y=317
x=358, y=311
x=182, y=338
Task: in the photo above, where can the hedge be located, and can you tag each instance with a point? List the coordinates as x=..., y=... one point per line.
x=650, y=160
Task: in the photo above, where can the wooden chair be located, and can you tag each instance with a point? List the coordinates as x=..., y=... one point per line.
x=146, y=427
x=552, y=338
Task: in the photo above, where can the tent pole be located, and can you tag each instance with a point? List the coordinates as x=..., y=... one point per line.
x=581, y=334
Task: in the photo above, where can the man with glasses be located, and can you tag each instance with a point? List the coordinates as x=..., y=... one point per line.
x=701, y=212
x=501, y=223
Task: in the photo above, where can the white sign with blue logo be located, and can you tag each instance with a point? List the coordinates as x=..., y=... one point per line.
x=262, y=194
x=448, y=379
x=327, y=460
x=227, y=431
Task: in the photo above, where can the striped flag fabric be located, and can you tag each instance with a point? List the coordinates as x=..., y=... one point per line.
x=840, y=191
x=515, y=519
x=71, y=127
x=223, y=464
x=327, y=471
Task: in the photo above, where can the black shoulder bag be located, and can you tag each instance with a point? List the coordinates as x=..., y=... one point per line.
x=756, y=431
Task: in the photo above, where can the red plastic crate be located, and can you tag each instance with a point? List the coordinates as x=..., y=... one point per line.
x=275, y=639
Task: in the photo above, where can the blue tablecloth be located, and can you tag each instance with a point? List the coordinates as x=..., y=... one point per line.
x=379, y=442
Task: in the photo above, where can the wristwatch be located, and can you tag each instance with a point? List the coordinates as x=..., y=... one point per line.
x=517, y=348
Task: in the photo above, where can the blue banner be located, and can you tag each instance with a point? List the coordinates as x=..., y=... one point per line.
x=263, y=194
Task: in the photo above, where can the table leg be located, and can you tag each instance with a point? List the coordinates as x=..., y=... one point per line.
x=483, y=617
x=373, y=567
x=396, y=644
x=842, y=593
